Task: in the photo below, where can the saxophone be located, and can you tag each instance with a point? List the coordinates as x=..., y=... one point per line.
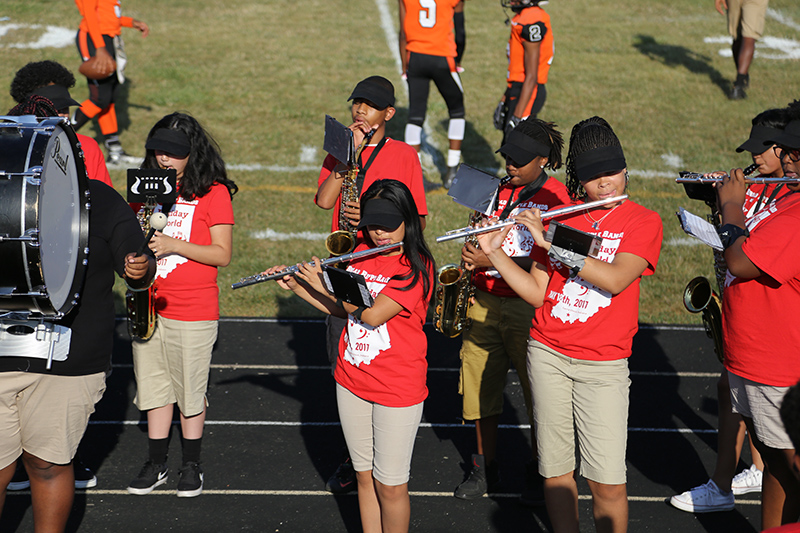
x=454, y=293
x=141, y=305
x=343, y=241
x=699, y=297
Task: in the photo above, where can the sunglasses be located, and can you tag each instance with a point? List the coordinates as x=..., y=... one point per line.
x=781, y=152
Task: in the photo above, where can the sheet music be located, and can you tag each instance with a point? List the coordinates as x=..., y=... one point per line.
x=699, y=228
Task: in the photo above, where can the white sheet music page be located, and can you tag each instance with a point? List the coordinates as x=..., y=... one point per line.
x=699, y=228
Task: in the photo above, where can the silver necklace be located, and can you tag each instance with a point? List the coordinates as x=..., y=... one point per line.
x=596, y=223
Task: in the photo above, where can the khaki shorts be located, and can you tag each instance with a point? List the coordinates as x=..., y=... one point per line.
x=497, y=339
x=172, y=366
x=580, y=400
x=762, y=404
x=45, y=415
x=379, y=438
x=746, y=18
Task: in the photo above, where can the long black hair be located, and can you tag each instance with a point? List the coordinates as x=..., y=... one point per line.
x=594, y=132
x=204, y=166
x=547, y=134
x=415, y=249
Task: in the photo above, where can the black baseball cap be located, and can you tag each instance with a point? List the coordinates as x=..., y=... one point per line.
x=522, y=149
x=596, y=161
x=759, y=136
x=789, y=137
x=58, y=94
x=171, y=141
x=375, y=89
x=380, y=212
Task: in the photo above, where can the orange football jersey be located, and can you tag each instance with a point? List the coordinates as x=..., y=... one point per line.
x=102, y=17
x=428, y=26
x=532, y=24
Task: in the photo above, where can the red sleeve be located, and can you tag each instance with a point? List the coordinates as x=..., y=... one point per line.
x=95, y=160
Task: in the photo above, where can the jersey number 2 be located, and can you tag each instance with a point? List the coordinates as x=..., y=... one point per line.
x=427, y=13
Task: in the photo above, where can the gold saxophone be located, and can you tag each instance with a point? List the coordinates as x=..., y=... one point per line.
x=141, y=305
x=454, y=292
x=343, y=240
x=699, y=297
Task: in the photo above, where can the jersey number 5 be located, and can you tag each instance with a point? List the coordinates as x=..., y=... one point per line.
x=427, y=13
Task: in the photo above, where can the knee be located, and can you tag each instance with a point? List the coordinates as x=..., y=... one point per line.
x=608, y=493
x=40, y=469
x=391, y=492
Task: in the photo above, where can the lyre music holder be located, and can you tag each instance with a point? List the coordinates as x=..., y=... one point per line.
x=152, y=185
x=339, y=141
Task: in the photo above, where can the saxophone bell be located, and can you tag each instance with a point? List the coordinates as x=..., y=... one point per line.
x=340, y=242
x=699, y=297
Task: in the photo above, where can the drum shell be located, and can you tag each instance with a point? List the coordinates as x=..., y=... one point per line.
x=44, y=217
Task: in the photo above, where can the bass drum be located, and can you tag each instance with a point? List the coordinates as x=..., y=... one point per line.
x=44, y=217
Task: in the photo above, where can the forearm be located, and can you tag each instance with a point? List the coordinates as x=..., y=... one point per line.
x=529, y=285
x=328, y=193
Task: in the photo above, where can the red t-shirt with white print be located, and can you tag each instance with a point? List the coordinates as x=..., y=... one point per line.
x=583, y=321
x=386, y=364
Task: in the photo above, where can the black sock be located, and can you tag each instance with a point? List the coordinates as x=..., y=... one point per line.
x=78, y=119
x=191, y=450
x=158, y=450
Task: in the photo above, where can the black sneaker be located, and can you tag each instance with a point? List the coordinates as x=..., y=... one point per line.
x=447, y=179
x=190, y=483
x=343, y=480
x=84, y=477
x=533, y=493
x=480, y=480
x=150, y=476
x=737, y=93
x=20, y=480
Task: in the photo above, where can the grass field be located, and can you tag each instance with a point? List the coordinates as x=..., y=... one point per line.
x=262, y=75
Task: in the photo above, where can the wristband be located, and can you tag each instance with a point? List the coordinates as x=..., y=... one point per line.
x=339, y=303
x=729, y=233
x=357, y=312
x=568, y=258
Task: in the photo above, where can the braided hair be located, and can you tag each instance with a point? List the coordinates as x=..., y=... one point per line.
x=794, y=110
x=205, y=165
x=36, y=105
x=38, y=74
x=586, y=135
x=547, y=134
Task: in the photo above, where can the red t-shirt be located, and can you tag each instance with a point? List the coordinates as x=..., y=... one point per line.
x=519, y=242
x=582, y=321
x=185, y=289
x=429, y=27
x=759, y=322
x=396, y=161
x=95, y=160
x=786, y=528
x=761, y=190
x=386, y=364
x=532, y=24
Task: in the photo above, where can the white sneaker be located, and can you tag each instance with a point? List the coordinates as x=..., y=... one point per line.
x=703, y=499
x=746, y=481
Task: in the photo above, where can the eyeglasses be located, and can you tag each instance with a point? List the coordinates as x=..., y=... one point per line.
x=781, y=152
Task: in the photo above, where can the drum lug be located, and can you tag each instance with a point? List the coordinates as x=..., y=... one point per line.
x=33, y=176
x=32, y=237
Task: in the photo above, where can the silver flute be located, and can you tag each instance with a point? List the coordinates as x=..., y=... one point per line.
x=467, y=231
x=258, y=278
x=696, y=177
